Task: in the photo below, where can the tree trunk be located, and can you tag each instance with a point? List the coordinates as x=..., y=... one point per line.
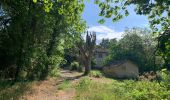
x=87, y=67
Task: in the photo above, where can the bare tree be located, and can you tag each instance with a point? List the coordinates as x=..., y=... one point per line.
x=87, y=50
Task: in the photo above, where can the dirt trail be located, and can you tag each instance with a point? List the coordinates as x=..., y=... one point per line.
x=47, y=89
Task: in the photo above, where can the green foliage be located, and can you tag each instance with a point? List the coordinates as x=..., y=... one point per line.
x=165, y=76
x=95, y=73
x=122, y=90
x=74, y=66
x=104, y=43
x=164, y=47
x=136, y=45
x=34, y=34
x=13, y=92
x=55, y=72
x=93, y=63
x=157, y=11
x=84, y=84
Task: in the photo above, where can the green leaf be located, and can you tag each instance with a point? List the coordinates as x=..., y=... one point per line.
x=96, y=1
x=101, y=21
x=126, y=13
x=35, y=1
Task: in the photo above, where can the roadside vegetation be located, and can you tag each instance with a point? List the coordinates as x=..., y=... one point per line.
x=88, y=89
x=11, y=91
x=122, y=90
x=64, y=85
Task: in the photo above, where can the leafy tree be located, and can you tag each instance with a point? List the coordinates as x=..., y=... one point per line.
x=157, y=11
x=34, y=34
x=87, y=51
x=164, y=47
x=104, y=43
x=134, y=46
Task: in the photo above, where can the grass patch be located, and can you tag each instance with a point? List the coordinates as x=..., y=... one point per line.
x=88, y=89
x=10, y=91
x=64, y=85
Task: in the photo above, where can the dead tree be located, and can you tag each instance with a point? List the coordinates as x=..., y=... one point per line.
x=87, y=51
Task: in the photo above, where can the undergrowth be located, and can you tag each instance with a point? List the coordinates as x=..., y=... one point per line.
x=96, y=73
x=13, y=91
x=121, y=90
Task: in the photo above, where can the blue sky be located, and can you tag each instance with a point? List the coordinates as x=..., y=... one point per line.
x=110, y=29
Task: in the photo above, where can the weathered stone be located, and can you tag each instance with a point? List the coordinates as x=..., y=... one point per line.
x=122, y=69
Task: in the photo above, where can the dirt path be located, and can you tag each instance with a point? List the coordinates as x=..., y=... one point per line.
x=47, y=89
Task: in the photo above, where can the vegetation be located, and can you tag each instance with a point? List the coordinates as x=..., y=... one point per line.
x=33, y=35
x=10, y=91
x=96, y=73
x=158, y=14
x=157, y=11
x=39, y=36
x=163, y=47
x=75, y=66
x=64, y=85
x=137, y=45
x=123, y=90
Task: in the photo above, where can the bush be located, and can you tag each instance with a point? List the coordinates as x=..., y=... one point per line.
x=22, y=75
x=75, y=66
x=165, y=78
x=54, y=72
x=96, y=73
x=93, y=63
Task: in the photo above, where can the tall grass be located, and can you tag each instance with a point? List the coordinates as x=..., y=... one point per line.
x=121, y=90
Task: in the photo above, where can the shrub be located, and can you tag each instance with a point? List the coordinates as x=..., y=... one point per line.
x=22, y=75
x=95, y=73
x=75, y=66
x=93, y=63
x=165, y=76
x=54, y=72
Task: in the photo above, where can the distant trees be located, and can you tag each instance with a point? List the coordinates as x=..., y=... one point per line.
x=87, y=51
x=104, y=43
x=136, y=45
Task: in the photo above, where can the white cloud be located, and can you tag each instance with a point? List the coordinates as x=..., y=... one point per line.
x=105, y=32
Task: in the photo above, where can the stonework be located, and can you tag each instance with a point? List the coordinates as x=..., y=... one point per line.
x=123, y=69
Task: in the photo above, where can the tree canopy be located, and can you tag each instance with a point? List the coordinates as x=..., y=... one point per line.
x=34, y=33
x=137, y=45
x=157, y=11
